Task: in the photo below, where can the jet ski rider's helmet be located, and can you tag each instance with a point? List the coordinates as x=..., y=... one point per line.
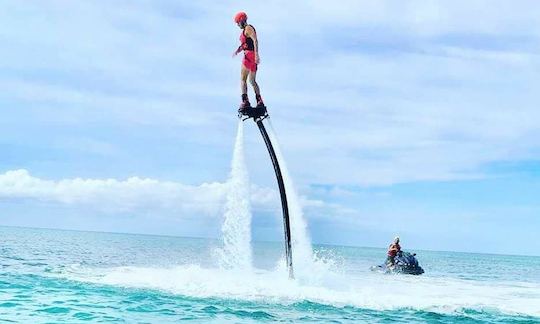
x=396, y=239
x=241, y=19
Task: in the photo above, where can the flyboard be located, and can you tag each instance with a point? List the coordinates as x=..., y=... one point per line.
x=258, y=114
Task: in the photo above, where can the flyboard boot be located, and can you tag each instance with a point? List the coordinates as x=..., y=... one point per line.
x=260, y=103
x=244, y=106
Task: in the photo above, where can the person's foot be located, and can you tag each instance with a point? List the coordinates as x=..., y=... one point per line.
x=260, y=102
x=245, y=104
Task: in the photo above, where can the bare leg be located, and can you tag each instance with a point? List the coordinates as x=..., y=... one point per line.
x=243, y=79
x=252, y=80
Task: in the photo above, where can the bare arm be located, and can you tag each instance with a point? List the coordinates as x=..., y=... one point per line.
x=250, y=31
x=238, y=50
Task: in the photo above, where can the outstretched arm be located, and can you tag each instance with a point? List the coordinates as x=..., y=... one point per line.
x=238, y=50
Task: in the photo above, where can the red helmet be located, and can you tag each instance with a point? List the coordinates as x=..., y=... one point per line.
x=241, y=16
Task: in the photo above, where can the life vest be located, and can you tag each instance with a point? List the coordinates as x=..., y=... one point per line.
x=246, y=41
x=393, y=249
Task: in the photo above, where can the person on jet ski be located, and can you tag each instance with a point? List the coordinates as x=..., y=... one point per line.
x=393, y=249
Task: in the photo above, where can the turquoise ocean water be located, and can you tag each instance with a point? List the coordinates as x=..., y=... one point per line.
x=51, y=276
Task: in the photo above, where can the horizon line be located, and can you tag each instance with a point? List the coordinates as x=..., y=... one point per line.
x=258, y=241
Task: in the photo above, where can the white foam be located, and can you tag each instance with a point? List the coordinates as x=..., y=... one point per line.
x=370, y=291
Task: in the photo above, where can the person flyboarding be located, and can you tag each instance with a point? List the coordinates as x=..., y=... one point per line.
x=250, y=45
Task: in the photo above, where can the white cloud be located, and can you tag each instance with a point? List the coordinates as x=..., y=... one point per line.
x=132, y=194
x=136, y=194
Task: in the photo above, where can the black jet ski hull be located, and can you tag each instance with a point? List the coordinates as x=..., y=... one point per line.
x=405, y=263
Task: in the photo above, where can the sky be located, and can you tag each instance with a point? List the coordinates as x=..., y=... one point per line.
x=418, y=118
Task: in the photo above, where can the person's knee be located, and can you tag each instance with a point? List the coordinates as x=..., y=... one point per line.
x=252, y=81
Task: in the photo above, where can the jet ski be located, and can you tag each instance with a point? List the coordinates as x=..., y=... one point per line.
x=404, y=263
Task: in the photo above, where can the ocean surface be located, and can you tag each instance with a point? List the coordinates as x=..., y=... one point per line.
x=52, y=276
